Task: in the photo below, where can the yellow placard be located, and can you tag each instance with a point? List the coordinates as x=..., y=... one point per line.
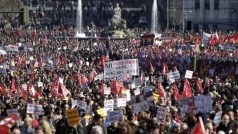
x=156, y=97
x=102, y=112
x=72, y=117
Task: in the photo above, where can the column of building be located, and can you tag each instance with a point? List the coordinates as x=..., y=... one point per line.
x=211, y=13
x=201, y=13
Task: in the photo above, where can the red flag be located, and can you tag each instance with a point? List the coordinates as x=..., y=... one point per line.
x=161, y=91
x=7, y=123
x=176, y=93
x=82, y=79
x=171, y=41
x=13, y=88
x=102, y=88
x=103, y=59
x=199, y=128
x=116, y=87
x=54, y=89
x=22, y=93
x=199, y=85
x=92, y=75
x=152, y=70
x=34, y=34
x=187, y=93
x=3, y=90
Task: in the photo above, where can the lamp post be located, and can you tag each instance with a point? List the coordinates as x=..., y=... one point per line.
x=183, y=18
x=167, y=14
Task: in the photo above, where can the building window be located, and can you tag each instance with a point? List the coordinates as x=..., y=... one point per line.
x=207, y=4
x=216, y=4
x=197, y=4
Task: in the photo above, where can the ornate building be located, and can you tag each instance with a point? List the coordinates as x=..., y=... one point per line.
x=203, y=14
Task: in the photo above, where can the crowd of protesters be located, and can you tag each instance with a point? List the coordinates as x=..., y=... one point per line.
x=47, y=56
x=52, y=69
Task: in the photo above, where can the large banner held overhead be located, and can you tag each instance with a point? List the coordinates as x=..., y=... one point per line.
x=119, y=70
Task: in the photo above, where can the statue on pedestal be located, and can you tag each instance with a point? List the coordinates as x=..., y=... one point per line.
x=117, y=23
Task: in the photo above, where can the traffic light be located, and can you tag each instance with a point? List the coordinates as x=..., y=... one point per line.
x=24, y=15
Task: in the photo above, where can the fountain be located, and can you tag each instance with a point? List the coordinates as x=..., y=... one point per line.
x=79, y=33
x=154, y=18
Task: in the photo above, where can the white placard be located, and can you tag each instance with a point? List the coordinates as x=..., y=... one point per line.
x=140, y=107
x=121, y=102
x=107, y=90
x=40, y=84
x=12, y=111
x=136, y=83
x=161, y=114
x=121, y=68
x=114, y=116
x=70, y=65
x=81, y=105
x=176, y=75
x=137, y=91
x=108, y=105
x=34, y=109
x=189, y=74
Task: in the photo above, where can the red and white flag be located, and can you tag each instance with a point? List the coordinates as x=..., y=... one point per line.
x=199, y=128
x=161, y=91
x=187, y=93
x=92, y=75
x=62, y=89
x=199, y=85
x=165, y=69
x=176, y=93
x=21, y=92
x=7, y=123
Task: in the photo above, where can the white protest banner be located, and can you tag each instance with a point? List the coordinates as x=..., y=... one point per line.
x=127, y=93
x=170, y=77
x=217, y=118
x=176, y=75
x=114, y=116
x=12, y=111
x=161, y=114
x=108, y=105
x=203, y=104
x=186, y=105
x=140, y=107
x=189, y=74
x=137, y=91
x=107, y=90
x=116, y=69
x=136, y=83
x=121, y=102
x=211, y=71
x=81, y=105
x=148, y=89
x=34, y=109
